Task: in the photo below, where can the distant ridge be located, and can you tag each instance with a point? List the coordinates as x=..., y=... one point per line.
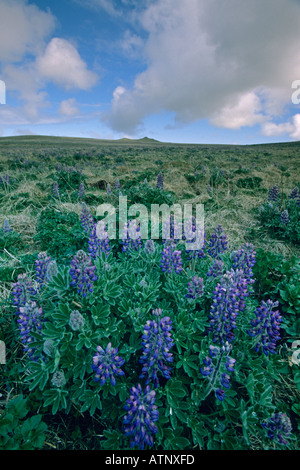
x=143, y=139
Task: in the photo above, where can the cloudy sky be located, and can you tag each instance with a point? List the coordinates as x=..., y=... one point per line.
x=198, y=71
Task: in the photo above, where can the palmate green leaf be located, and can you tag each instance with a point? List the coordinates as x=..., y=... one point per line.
x=111, y=292
x=91, y=401
x=113, y=439
x=100, y=314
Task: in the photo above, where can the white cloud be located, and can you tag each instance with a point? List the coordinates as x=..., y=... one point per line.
x=68, y=107
x=62, y=64
x=222, y=61
x=24, y=29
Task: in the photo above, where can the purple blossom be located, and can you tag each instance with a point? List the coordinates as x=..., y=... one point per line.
x=278, y=428
x=284, y=217
x=273, y=194
x=216, y=367
x=82, y=272
x=266, y=326
x=160, y=181
x=98, y=241
x=41, y=267
x=86, y=218
x=107, y=364
x=141, y=416
x=244, y=259
x=55, y=189
x=157, y=342
x=23, y=290
x=29, y=320
x=216, y=269
x=81, y=190
x=171, y=259
x=6, y=226
x=228, y=300
x=195, y=288
x=294, y=193
x=217, y=243
x=131, y=238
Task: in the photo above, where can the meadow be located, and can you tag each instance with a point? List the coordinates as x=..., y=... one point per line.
x=147, y=345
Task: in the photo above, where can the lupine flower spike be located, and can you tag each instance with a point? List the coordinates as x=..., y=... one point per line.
x=273, y=194
x=29, y=320
x=266, y=327
x=278, y=428
x=157, y=343
x=195, y=288
x=217, y=243
x=86, y=218
x=6, y=226
x=23, y=290
x=98, y=241
x=228, y=301
x=41, y=267
x=141, y=415
x=131, y=239
x=82, y=272
x=216, y=367
x=160, y=181
x=107, y=365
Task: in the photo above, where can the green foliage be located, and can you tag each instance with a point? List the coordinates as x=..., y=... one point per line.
x=11, y=241
x=59, y=233
x=269, y=214
x=250, y=182
x=17, y=430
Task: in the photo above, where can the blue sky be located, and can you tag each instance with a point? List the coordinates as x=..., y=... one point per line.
x=192, y=71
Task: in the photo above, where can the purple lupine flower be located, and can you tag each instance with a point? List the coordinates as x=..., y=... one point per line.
x=171, y=259
x=117, y=185
x=86, y=218
x=30, y=320
x=6, y=226
x=55, y=189
x=98, y=241
x=23, y=290
x=279, y=428
x=141, y=416
x=76, y=321
x=216, y=270
x=82, y=272
x=266, y=326
x=157, y=342
x=81, y=190
x=41, y=266
x=273, y=194
x=107, y=364
x=284, y=217
x=228, y=301
x=244, y=259
x=216, y=367
x=294, y=193
x=160, y=181
x=195, y=288
x=131, y=238
x=218, y=242
x=108, y=189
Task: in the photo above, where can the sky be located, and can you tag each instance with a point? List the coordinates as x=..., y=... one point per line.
x=186, y=71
